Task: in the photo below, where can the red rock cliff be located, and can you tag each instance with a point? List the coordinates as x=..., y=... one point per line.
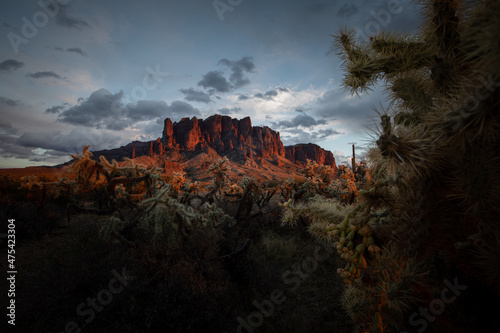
x=303, y=152
x=225, y=135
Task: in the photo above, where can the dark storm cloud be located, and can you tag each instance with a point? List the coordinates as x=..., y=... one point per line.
x=70, y=142
x=73, y=50
x=55, y=109
x=9, y=102
x=9, y=149
x=47, y=74
x=146, y=110
x=215, y=80
x=238, y=70
x=196, y=95
x=354, y=112
x=68, y=21
x=6, y=129
x=77, y=50
x=301, y=136
x=269, y=95
x=154, y=128
x=57, y=143
x=334, y=104
x=10, y=64
x=300, y=120
x=181, y=108
x=104, y=110
x=228, y=111
x=101, y=110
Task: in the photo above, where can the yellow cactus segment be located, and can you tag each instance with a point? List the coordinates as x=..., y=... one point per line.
x=362, y=262
x=351, y=235
x=361, y=248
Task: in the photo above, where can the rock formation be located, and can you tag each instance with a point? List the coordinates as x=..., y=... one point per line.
x=303, y=152
x=226, y=135
x=222, y=136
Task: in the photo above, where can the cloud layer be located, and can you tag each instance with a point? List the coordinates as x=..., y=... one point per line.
x=104, y=110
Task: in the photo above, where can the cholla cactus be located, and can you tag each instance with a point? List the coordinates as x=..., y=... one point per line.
x=287, y=188
x=320, y=212
x=322, y=180
x=219, y=170
x=435, y=158
x=42, y=191
x=85, y=168
x=167, y=217
x=178, y=181
x=171, y=221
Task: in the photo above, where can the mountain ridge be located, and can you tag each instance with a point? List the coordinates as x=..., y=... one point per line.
x=222, y=136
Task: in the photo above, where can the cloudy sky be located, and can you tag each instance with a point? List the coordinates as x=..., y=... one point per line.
x=108, y=72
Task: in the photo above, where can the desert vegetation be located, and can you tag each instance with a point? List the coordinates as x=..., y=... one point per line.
x=411, y=235
x=430, y=214
x=199, y=255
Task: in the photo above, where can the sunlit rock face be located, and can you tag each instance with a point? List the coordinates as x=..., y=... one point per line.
x=223, y=134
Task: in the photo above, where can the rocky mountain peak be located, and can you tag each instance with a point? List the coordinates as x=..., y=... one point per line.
x=218, y=135
x=226, y=135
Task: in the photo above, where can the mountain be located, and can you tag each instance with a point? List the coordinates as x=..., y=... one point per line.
x=193, y=144
x=303, y=152
x=226, y=135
